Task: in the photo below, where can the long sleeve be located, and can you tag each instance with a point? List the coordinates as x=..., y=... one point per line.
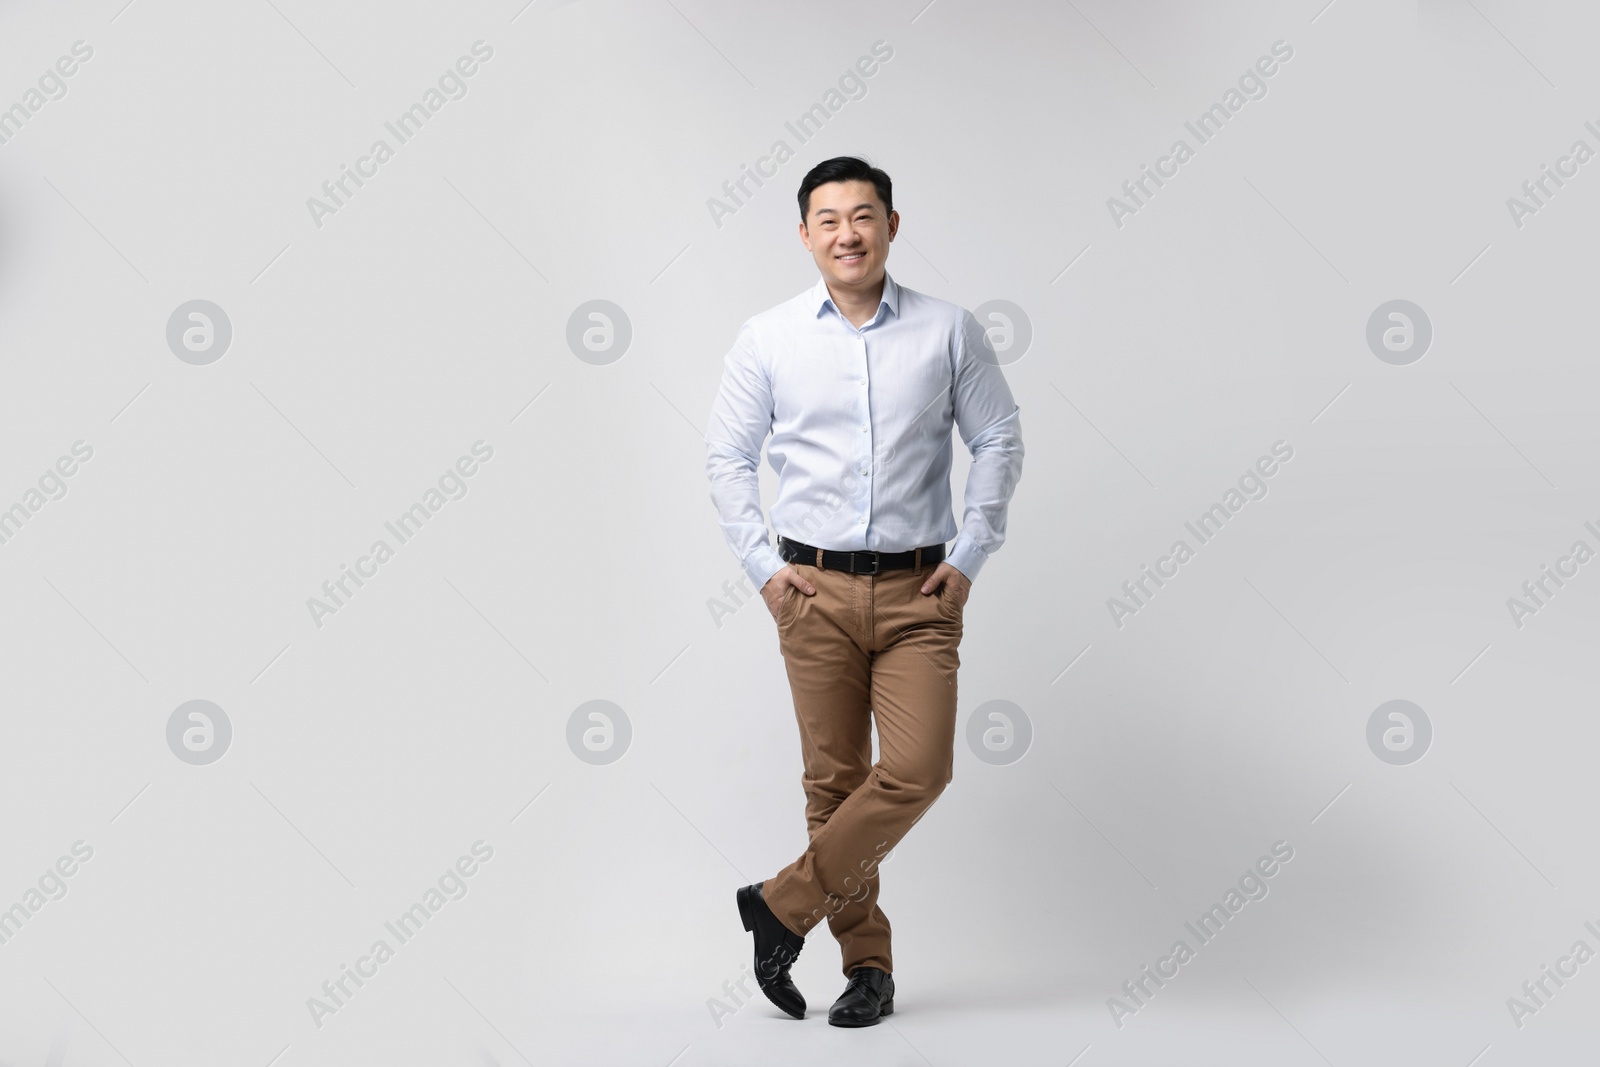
x=990, y=425
x=740, y=420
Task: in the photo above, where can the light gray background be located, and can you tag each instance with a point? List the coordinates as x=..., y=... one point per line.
x=1168, y=354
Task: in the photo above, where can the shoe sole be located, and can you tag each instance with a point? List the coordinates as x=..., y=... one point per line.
x=887, y=1009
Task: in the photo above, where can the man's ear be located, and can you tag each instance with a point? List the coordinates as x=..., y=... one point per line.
x=805, y=236
x=894, y=224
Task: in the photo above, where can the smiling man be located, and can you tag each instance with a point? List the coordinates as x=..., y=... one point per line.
x=859, y=381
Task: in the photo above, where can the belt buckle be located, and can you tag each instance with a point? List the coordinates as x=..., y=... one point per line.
x=874, y=556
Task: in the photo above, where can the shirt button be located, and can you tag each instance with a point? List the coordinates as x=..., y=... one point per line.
x=863, y=429
x=863, y=521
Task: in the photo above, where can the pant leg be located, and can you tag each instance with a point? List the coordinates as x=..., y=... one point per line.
x=829, y=676
x=832, y=705
x=913, y=639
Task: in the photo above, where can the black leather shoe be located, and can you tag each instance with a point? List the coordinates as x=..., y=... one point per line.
x=776, y=948
x=868, y=997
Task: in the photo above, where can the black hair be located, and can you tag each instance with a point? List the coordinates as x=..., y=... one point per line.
x=845, y=169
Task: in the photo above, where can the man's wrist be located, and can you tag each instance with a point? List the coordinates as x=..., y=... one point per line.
x=966, y=557
x=762, y=564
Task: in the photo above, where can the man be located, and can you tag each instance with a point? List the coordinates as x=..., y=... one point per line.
x=859, y=380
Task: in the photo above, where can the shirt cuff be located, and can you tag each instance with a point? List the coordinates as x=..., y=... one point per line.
x=762, y=564
x=966, y=557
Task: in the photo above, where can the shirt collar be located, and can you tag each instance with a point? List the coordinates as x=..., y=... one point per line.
x=821, y=299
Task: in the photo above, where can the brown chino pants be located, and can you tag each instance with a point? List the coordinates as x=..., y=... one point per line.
x=864, y=646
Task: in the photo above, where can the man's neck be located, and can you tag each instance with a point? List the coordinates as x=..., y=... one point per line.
x=858, y=305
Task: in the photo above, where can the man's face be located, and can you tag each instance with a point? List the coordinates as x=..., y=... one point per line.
x=848, y=233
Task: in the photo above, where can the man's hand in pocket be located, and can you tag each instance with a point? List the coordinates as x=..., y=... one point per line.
x=772, y=592
x=960, y=584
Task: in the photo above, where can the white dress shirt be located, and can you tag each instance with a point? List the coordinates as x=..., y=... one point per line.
x=860, y=422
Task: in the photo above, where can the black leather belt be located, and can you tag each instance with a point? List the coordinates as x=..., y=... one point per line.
x=858, y=562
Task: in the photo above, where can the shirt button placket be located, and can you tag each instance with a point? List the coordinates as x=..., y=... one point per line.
x=866, y=427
